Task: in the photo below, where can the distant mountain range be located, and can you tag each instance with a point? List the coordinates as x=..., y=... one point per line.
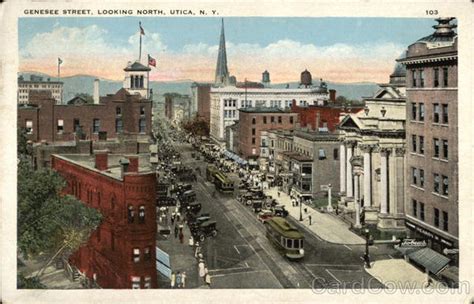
x=85, y=84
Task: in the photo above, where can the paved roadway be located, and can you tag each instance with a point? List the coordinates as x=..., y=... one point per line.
x=242, y=257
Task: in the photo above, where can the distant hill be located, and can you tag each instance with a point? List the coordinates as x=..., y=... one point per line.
x=85, y=84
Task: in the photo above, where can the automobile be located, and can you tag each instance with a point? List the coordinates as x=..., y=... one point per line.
x=280, y=210
x=206, y=229
x=264, y=215
x=194, y=207
x=193, y=155
x=257, y=205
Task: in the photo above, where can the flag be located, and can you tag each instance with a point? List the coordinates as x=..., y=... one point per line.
x=59, y=61
x=142, y=31
x=151, y=61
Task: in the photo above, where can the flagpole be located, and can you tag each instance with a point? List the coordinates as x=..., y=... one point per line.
x=148, y=77
x=140, y=54
x=59, y=78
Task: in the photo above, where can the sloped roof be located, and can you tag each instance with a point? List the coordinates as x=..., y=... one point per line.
x=351, y=121
x=136, y=66
x=429, y=259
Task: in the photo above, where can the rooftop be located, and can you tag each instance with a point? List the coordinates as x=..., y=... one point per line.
x=136, y=66
x=265, y=110
x=113, y=169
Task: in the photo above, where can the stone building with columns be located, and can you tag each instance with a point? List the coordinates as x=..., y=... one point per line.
x=372, y=165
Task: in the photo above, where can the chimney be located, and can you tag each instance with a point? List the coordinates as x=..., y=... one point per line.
x=318, y=119
x=124, y=163
x=133, y=163
x=96, y=91
x=332, y=95
x=101, y=159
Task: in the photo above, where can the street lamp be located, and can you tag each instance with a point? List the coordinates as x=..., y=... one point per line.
x=329, y=208
x=368, y=241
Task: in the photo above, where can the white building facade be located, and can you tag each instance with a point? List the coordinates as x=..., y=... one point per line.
x=37, y=83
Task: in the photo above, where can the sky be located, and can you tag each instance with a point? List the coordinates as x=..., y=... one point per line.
x=335, y=49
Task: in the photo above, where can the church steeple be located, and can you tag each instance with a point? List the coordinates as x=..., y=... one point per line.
x=222, y=73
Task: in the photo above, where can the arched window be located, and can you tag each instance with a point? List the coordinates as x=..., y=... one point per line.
x=131, y=214
x=141, y=214
x=141, y=81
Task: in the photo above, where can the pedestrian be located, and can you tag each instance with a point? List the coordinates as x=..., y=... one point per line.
x=208, y=280
x=337, y=210
x=310, y=218
x=183, y=279
x=178, y=280
x=278, y=193
x=172, y=218
x=178, y=216
x=181, y=237
x=201, y=269
x=173, y=279
x=175, y=231
x=191, y=241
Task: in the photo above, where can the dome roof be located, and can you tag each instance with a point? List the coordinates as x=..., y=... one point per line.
x=306, y=78
x=444, y=31
x=400, y=70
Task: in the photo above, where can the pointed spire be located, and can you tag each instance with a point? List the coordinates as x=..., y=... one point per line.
x=222, y=73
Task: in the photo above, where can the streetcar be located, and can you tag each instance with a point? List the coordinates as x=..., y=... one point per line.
x=285, y=237
x=219, y=179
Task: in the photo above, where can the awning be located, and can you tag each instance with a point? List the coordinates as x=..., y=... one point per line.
x=429, y=259
x=450, y=272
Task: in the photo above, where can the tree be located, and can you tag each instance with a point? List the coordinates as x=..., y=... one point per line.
x=48, y=222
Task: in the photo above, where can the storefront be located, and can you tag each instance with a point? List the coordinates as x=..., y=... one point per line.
x=434, y=241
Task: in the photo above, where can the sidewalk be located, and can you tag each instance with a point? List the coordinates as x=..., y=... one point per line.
x=399, y=274
x=326, y=226
x=181, y=257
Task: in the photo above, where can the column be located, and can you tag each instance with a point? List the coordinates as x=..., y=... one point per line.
x=349, y=188
x=357, y=201
x=383, y=181
x=367, y=177
x=329, y=207
x=342, y=164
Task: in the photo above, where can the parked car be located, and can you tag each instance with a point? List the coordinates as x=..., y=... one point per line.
x=205, y=229
x=257, y=205
x=265, y=215
x=194, y=207
x=280, y=211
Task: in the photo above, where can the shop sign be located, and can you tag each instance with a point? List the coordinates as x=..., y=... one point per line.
x=428, y=234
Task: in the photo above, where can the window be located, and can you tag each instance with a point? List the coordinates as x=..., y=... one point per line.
x=253, y=140
x=322, y=154
x=279, y=119
x=445, y=77
x=445, y=113
x=422, y=211
x=118, y=125
x=131, y=214
x=142, y=110
x=336, y=154
x=289, y=243
x=422, y=78
x=264, y=119
x=291, y=119
x=147, y=284
x=436, y=183
x=421, y=113
x=436, y=217
x=60, y=126
x=253, y=120
x=414, y=207
x=146, y=254
x=435, y=113
x=445, y=221
x=436, y=147
x=413, y=73
x=118, y=111
x=136, y=255
x=413, y=143
x=233, y=102
x=135, y=282
x=422, y=145
x=96, y=125
x=225, y=102
x=142, y=125
x=141, y=214
x=272, y=119
x=445, y=186
x=141, y=81
x=436, y=78
x=253, y=131
x=76, y=124
x=413, y=111
x=445, y=149
x=414, y=176
x=422, y=178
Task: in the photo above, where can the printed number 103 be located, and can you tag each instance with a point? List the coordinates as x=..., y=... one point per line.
x=431, y=12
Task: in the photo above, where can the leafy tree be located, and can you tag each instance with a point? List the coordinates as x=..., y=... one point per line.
x=48, y=222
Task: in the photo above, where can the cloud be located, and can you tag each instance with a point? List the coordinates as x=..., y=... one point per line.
x=85, y=50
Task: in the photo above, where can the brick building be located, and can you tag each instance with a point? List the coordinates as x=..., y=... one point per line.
x=322, y=117
x=201, y=101
x=169, y=107
x=116, y=115
x=432, y=137
x=253, y=121
x=121, y=251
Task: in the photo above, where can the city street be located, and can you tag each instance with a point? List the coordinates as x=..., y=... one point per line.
x=242, y=257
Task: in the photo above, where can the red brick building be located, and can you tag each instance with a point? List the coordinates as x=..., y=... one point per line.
x=121, y=251
x=254, y=120
x=116, y=115
x=324, y=118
